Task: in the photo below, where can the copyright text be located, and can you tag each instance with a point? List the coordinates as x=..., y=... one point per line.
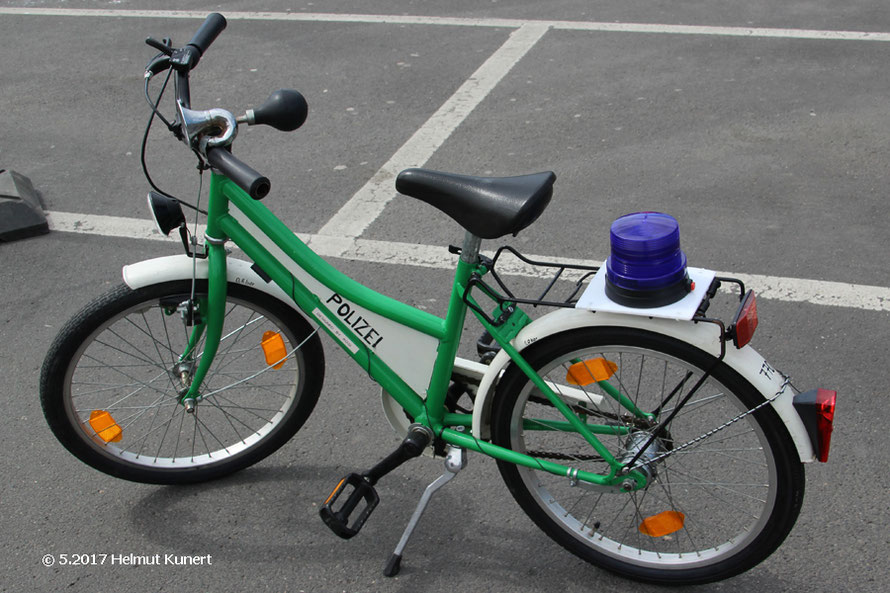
x=127, y=560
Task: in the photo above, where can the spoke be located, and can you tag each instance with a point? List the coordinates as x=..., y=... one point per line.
x=182, y=415
x=157, y=344
x=693, y=405
x=175, y=356
x=590, y=514
x=81, y=367
x=695, y=443
x=125, y=353
x=149, y=431
x=265, y=369
x=618, y=514
x=241, y=353
x=128, y=421
x=724, y=453
x=145, y=356
x=233, y=405
x=154, y=429
x=130, y=377
x=116, y=387
x=239, y=331
x=229, y=417
x=198, y=425
x=246, y=408
x=738, y=526
x=148, y=333
x=694, y=480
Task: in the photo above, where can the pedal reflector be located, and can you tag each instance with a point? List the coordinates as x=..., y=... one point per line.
x=358, y=491
x=662, y=524
x=274, y=349
x=105, y=426
x=590, y=371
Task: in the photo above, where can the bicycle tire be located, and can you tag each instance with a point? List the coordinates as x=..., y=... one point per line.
x=726, y=502
x=110, y=386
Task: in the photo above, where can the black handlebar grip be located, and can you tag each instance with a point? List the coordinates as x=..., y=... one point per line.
x=211, y=28
x=255, y=184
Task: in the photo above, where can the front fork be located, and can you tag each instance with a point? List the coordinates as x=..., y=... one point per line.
x=213, y=314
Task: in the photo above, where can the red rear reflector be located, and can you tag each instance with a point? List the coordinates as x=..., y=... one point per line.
x=745, y=320
x=825, y=400
x=816, y=410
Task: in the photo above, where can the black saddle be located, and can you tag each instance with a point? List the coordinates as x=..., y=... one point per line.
x=488, y=207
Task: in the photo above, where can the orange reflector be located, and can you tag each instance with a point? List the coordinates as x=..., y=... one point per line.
x=590, y=371
x=662, y=524
x=105, y=426
x=274, y=349
x=336, y=489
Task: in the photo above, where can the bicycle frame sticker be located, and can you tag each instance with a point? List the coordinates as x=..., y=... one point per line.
x=410, y=353
x=335, y=331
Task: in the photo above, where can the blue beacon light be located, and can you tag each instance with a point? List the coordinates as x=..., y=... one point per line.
x=646, y=268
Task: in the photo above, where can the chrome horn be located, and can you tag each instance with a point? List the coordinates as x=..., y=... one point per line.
x=196, y=124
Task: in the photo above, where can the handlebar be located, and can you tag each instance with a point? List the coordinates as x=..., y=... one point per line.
x=210, y=29
x=182, y=61
x=245, y=177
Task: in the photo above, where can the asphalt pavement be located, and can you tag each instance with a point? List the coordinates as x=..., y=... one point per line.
x=763, y=129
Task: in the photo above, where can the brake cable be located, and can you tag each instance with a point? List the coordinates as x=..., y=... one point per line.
x=172, y=127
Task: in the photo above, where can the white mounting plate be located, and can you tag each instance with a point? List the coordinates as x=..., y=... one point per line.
x=595, y=299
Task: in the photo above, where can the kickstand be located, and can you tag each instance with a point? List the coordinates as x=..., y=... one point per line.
x=455, y=460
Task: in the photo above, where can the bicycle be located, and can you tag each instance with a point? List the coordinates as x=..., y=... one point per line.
x=662, y=448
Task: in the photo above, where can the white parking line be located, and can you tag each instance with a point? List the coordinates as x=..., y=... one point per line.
x=817, y=292
x=393, y=19
x=340, y=236
x=368, y=203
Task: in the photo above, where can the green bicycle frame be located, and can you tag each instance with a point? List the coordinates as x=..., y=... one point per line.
x=370, y=327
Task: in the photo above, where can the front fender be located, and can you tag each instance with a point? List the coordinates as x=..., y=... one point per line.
x=181, y=267
x=745, y=361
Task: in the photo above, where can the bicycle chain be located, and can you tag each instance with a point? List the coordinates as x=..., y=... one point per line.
x=563, y=456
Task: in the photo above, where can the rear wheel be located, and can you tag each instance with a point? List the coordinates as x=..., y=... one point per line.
x=712, y=508
x=113, y=379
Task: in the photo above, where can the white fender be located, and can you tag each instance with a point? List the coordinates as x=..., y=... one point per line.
x=745, y=361
x=180, y=267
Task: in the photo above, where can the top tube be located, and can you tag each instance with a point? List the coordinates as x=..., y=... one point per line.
x=324, y=272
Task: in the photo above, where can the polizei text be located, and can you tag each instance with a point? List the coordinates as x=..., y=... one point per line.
x=354, y=320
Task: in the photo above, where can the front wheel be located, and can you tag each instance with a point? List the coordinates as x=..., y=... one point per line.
x=113, y=380
x=713, y=506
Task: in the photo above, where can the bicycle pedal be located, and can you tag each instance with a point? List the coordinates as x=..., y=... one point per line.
x=338, y=519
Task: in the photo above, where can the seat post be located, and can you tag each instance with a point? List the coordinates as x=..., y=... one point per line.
x=470, y=251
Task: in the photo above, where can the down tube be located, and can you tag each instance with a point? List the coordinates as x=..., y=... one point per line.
x=310, y=303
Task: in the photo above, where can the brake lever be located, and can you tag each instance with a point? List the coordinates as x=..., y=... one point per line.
x=159, y=63
x=165, y=46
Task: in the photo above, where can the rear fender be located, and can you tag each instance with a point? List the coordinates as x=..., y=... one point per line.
x=745, y=361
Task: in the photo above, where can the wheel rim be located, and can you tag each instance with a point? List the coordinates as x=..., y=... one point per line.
x=725, y=486
x=127, y=368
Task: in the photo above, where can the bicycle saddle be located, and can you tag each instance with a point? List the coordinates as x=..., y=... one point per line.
x=488, y=207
